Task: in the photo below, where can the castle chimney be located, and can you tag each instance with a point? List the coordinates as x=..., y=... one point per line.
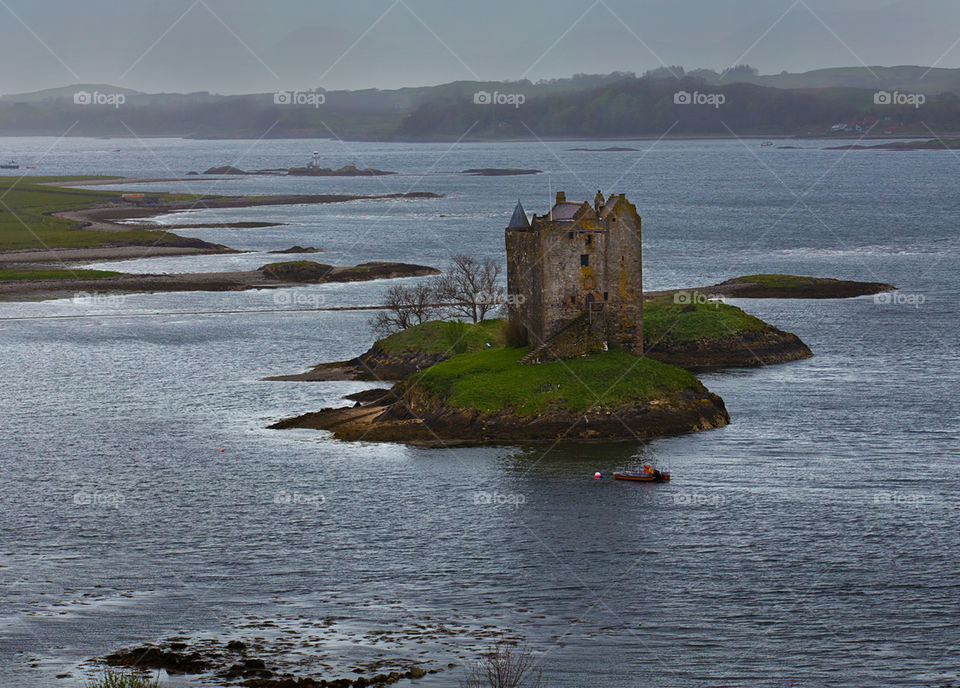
x=561, y=197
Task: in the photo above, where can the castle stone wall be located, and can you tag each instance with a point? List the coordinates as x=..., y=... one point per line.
x=551, y=285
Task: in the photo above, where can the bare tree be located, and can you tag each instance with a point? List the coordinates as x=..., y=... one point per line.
x=469, y=287
x=405, y=306
x=504, y=666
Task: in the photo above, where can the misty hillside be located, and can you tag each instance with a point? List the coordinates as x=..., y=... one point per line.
x=613, y=105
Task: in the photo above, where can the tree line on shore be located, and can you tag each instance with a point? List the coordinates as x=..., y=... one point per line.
x=616, y=105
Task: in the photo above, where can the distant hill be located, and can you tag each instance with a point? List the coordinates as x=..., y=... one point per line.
x=904, y=78
x=619, y=104
x=64, y=92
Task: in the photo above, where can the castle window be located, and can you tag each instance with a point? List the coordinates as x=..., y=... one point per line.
x=584, y=260
x=590, y=298
x=606, y=296
x=589, y=240
x=569, y=235
x=573, y=299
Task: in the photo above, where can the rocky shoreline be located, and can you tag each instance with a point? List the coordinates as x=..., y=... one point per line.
x=765, y=287
x=376, y=364
x=737, y=350
x=242, y=663
x=206, y=281
x=915, y=145
x=419, y=418
x=329, y=651
x=113, y=217
x=105, y=217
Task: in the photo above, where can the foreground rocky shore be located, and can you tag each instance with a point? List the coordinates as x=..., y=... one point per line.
x=308, y=651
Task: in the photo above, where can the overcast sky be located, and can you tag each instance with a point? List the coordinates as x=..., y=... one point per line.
x=242, y=46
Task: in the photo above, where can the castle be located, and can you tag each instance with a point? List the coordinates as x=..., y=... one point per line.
x=575, y=277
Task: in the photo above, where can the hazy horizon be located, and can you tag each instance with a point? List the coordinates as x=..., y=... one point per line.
x=241, y=46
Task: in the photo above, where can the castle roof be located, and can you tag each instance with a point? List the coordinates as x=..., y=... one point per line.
x=519, y=219
x=565, y=211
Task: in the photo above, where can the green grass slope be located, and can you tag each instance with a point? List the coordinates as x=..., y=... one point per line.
x=25, y=222
x=664, y=320
x=436, y=336
x=493, y=380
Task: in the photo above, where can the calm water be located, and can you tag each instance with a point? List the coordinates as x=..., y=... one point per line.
x=812, y=542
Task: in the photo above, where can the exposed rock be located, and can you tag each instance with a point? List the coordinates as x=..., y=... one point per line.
x=346, y=171
x=313, y=272
x=299, y=249
x=379, y=269
x=219, y=225
x=225, y=169
x=377, y=396
x=796, y=287
x=374, y=365
x=297, y=271
x=237, y=646
x=151, y=657
x=207, y=656
x=741, y=349
x=498, y=172
x=609, y=149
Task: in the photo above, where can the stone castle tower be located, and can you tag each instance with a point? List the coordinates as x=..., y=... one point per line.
x=582, y=265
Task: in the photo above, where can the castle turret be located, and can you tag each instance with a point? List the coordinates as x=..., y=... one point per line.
x=519, y=219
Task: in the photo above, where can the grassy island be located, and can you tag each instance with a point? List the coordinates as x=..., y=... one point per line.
x=463, y=385
x=493, y=381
